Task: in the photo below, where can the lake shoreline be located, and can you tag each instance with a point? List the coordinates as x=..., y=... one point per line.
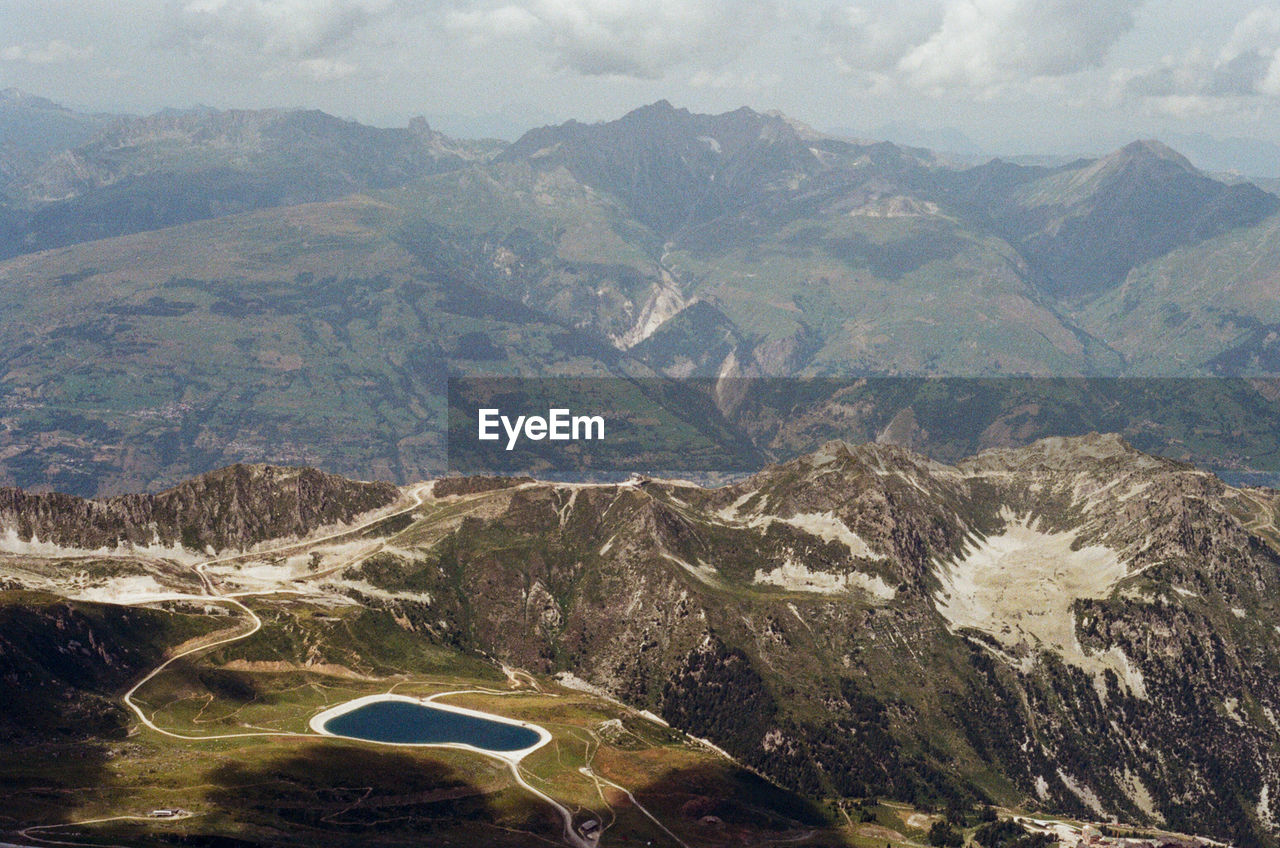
x=320, y=721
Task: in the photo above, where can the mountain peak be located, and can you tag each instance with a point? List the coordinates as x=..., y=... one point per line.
x=1151, y=150
x=672, y=166
x=1062, y=452
x=17, y=97
x=658, y=110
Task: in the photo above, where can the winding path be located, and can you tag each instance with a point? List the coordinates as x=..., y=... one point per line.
x=590, y=772
x=215, y=595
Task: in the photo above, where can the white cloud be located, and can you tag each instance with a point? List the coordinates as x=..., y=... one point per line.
x=50, y=53
x=501, y=22
x=297, y=29
x=975, y=44
x=1196, y=82
x=324, y=70
x=872, y=36
x=304, y=39
x=625, y=38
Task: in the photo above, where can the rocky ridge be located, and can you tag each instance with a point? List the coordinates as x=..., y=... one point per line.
x=234, y=508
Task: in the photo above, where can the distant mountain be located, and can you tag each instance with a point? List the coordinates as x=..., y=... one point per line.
x=1084, y=226
x=948, y=140
x=1247, y=157
x=738, y=246
x=673, y=168
x=140, y=174
x=37, y=126
x=318, y=334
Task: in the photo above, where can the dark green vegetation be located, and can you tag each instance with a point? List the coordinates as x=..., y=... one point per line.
x=1007, y=834
x=297, y=288
x=78, y=656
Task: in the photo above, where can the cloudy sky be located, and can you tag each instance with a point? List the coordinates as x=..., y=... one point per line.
x=1011, y=75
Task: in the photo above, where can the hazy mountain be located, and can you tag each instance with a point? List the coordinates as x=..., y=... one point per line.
x=1249, y=157
x=1084, y=227
x=140, y=174
x=37, y=126
x=740, y=246
x=947, y=140
x=317, y=334
x=673, y=168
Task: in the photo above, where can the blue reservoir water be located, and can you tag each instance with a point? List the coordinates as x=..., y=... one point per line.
x=406, y=723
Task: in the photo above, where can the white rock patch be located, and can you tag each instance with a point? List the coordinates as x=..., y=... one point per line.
x=797, y=578
x=1019, y=586
x=1086, y=795
x=826, y=526
x=132, y=589
x=703, y=572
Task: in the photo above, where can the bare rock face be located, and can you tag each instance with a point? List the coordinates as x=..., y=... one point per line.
x=235, y=507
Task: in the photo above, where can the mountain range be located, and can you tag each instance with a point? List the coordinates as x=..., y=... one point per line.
x=192, y=289
x=1073, y=627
